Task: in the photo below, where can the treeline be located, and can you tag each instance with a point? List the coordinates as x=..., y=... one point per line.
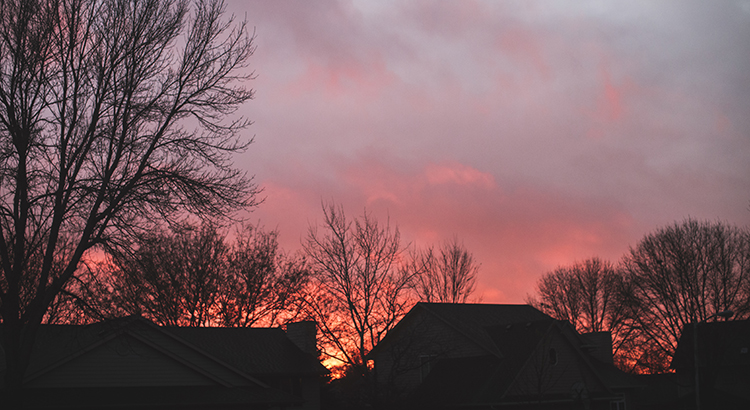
x=354, y=276
x=680, y=274
x=189, y=276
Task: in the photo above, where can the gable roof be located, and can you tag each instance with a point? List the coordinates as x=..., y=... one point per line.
x=488, y=380
x=472, y=319
x=518, y=341
x=257, y=351
x=134, y=363
x=469, y=319
x=484, y=314
x=225, y=355
x=510, y=336
x=484, y=379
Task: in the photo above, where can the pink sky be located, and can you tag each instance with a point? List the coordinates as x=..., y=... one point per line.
x=538, y=132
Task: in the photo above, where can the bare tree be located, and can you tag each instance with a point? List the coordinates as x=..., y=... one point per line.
x=585, y=294
x=86, y=298
x=190, y=276
x=263, y=285
x=592, y=296
x=359, y=289
x=174, y=279
x=91, y=95
x=447, y=275
x=682, y=274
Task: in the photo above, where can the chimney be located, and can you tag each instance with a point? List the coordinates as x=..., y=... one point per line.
x=304, y=334
x=598, y=345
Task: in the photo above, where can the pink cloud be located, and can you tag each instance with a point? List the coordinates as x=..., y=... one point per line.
x=457, y=173
x=613, y=95
x=339, y=78
x=488, y=106
x=611, y=99
x=516, y=232
x=525, y=47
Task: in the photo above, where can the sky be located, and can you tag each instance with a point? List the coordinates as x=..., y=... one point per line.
x=539, y=133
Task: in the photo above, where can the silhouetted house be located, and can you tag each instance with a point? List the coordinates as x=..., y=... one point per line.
x=723, y=364
x=496, y=356
x=132, y=363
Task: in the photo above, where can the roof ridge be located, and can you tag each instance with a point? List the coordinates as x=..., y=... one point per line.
x=190, y=340
x=210, y=356
x=109, y=330
x=491, y=349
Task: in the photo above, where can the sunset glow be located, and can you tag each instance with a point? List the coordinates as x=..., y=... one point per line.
x=539, y=133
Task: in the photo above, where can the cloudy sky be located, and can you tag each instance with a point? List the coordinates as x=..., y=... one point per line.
x=537, y=132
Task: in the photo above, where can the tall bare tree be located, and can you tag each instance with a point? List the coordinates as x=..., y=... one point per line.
x=685, y=273
x=92, y=93
x=263, y=285
x=447, y=275
x=593, y=296
x=360, y=289
x=586, y=294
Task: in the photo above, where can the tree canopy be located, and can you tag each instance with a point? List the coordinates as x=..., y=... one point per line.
x=677, y=275
x=114, y=115
x=681, y=274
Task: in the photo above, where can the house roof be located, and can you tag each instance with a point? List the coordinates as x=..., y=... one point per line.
x=722, y=343
x=470, y=319
x=510, y=334
x=242, y=352
x=484, y=314
x=257, y=351
x=484, y=379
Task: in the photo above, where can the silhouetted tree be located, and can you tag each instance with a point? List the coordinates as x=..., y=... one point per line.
x=585, y=294
x=86, y=298
x=174, y=279
x=191, y=276
x=359, y=290
x=263, y=285
x=91, y=92
x=681, y=274
x=592, y=295
x=446, y=275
